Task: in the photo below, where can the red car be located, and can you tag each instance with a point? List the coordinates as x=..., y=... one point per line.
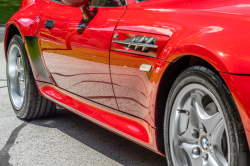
x=172, y=76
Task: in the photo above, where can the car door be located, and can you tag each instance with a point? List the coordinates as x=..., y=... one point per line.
x=76, y=53
x=136, y=70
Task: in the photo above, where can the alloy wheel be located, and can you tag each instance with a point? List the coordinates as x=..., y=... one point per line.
x=16, y=75
x=198, y=135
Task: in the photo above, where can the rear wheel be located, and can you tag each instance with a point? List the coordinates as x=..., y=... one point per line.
x=202, y=124
x=23, y=93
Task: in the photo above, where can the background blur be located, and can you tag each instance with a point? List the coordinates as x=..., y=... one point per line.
x=7, y=9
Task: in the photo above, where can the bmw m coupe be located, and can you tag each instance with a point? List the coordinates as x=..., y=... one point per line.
x=170, y=75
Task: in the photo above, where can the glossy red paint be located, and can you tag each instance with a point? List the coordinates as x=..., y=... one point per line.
x=22, y=20
x=124, y=35
x=202, y=29
x=136, y=90
x=125, y=125
x=26, y=3
x=6, y=32
x=122, y=124
x=240, y=89
x=83, y=47
x=83, y=63
x=34, y=27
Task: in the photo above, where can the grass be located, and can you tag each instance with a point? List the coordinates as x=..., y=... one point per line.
x=7, y=9
x=1, y=41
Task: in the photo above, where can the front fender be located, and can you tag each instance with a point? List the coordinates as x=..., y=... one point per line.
x=225, y=46
x=193, y=50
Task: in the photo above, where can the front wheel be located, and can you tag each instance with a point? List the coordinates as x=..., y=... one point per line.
x=202, y=126
x=23, y=93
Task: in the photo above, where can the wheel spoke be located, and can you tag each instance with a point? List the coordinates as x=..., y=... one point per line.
x=209, y=121
x=21, y=79
x=193, y=125
x=212, y=122
x=221, y=162
x=20, y=67
x=18, y=98
x=193, y=128
x=22, y=88
x=194, y=158
x=178, y=152
x=210, y=161
x=216, y=143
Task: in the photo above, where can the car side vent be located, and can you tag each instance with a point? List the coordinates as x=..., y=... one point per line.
x=139, y=43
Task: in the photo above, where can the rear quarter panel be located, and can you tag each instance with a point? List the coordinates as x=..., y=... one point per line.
x=23, y=20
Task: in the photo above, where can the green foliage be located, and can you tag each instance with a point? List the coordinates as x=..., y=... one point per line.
x=7, y=9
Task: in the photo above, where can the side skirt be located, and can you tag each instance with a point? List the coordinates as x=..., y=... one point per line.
x=132, y=128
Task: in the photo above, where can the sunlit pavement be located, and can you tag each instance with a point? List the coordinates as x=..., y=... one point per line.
x=65, y=139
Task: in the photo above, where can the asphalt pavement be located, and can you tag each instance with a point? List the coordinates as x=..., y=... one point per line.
x=2, y=28
x=65, y=139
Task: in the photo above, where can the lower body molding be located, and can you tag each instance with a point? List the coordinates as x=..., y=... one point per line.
x=130, y=127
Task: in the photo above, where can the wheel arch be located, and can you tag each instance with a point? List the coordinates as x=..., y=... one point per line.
x=11, y=30
x=32, y=48
x=168, y=78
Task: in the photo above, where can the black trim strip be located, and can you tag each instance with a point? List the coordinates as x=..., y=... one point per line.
x=32, y=44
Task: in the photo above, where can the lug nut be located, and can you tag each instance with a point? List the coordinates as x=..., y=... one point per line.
x=195, y=133
x=196, y=152
x=205, y=157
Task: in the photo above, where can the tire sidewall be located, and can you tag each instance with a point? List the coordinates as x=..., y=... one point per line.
x=214, y=85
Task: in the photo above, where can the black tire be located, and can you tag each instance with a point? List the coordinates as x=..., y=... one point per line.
x=34, y=105
x=239, y=150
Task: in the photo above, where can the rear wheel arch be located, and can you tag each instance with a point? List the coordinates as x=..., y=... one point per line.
x=14, y=30
x=33, y=50
x=169, y=76
x=33, y=105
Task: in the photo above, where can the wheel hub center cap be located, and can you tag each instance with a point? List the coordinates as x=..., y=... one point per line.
x=204, y=143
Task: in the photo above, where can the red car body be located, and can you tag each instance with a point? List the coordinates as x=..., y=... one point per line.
x=80, y=66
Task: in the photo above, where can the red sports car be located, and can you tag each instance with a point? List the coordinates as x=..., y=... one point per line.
x=172, y=76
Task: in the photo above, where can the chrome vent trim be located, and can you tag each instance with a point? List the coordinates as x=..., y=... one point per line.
x=139, y=43
x=135, y=44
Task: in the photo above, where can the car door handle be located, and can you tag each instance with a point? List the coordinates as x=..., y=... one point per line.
x=49, y=24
